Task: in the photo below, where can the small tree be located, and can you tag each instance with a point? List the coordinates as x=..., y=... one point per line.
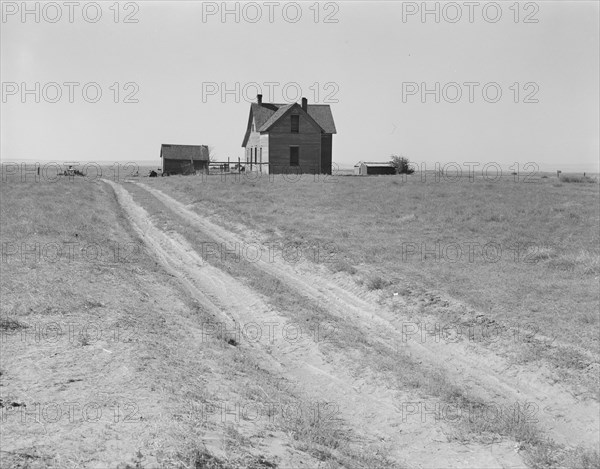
x=402, y=164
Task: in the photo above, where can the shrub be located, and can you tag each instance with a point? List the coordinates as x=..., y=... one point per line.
x=343, y=266
x=10, y=324
x=402, y=165
x=377, y=283
x=577, y=179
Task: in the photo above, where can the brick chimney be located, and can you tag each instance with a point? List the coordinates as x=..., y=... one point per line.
x=259, y=98
x=304, y=104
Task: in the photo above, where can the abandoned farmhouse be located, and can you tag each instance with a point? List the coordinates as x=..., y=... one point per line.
x=289, y=138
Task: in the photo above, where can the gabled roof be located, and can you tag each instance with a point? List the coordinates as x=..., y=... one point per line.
x=266, y=114
x=262, y=112
x=282, y=111
x=274, y=117
x=184, y=152
x=321, y=113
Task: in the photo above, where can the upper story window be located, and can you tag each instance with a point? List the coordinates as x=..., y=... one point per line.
x=295, y=124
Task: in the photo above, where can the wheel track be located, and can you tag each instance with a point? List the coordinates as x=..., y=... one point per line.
x=566, y=420
x=372, y=415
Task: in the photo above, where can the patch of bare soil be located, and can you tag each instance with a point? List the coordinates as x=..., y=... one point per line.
x=368, y=406
x=561, y=415
x=103, y=364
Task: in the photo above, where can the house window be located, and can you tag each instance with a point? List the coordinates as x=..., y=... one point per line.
x=294, y=156
x=295, y=124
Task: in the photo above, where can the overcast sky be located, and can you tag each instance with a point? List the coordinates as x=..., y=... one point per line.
x=369, y=60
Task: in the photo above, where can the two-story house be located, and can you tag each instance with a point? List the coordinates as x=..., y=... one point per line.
x=289, y=138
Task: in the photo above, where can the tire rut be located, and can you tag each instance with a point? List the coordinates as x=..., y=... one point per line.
x=567, y=420
x=368, y=409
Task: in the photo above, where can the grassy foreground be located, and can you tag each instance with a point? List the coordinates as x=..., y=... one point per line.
x=103, y=362
x=81, y=269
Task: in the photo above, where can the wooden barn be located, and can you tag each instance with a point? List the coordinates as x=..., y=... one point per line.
x=184, y=159
x=366, y=168
x=289, y=138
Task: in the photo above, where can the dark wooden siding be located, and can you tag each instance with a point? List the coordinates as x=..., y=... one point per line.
x=308, y=139
x=381, y=170
x=326, y=150
x=183, y=166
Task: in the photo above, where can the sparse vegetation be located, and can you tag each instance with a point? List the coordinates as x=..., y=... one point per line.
x=579, y=179
x=513, y=215
x=377, y=283
x=10, y=324
x=343, y=266
x=166, y=352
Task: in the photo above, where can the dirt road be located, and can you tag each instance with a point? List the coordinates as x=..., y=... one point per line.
x=372, y=405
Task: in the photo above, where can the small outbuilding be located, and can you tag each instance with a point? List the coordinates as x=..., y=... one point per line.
x=184, y=159
x=367, y=168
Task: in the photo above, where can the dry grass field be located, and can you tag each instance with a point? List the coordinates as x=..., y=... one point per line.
x=522, y=253
x=234, y=321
